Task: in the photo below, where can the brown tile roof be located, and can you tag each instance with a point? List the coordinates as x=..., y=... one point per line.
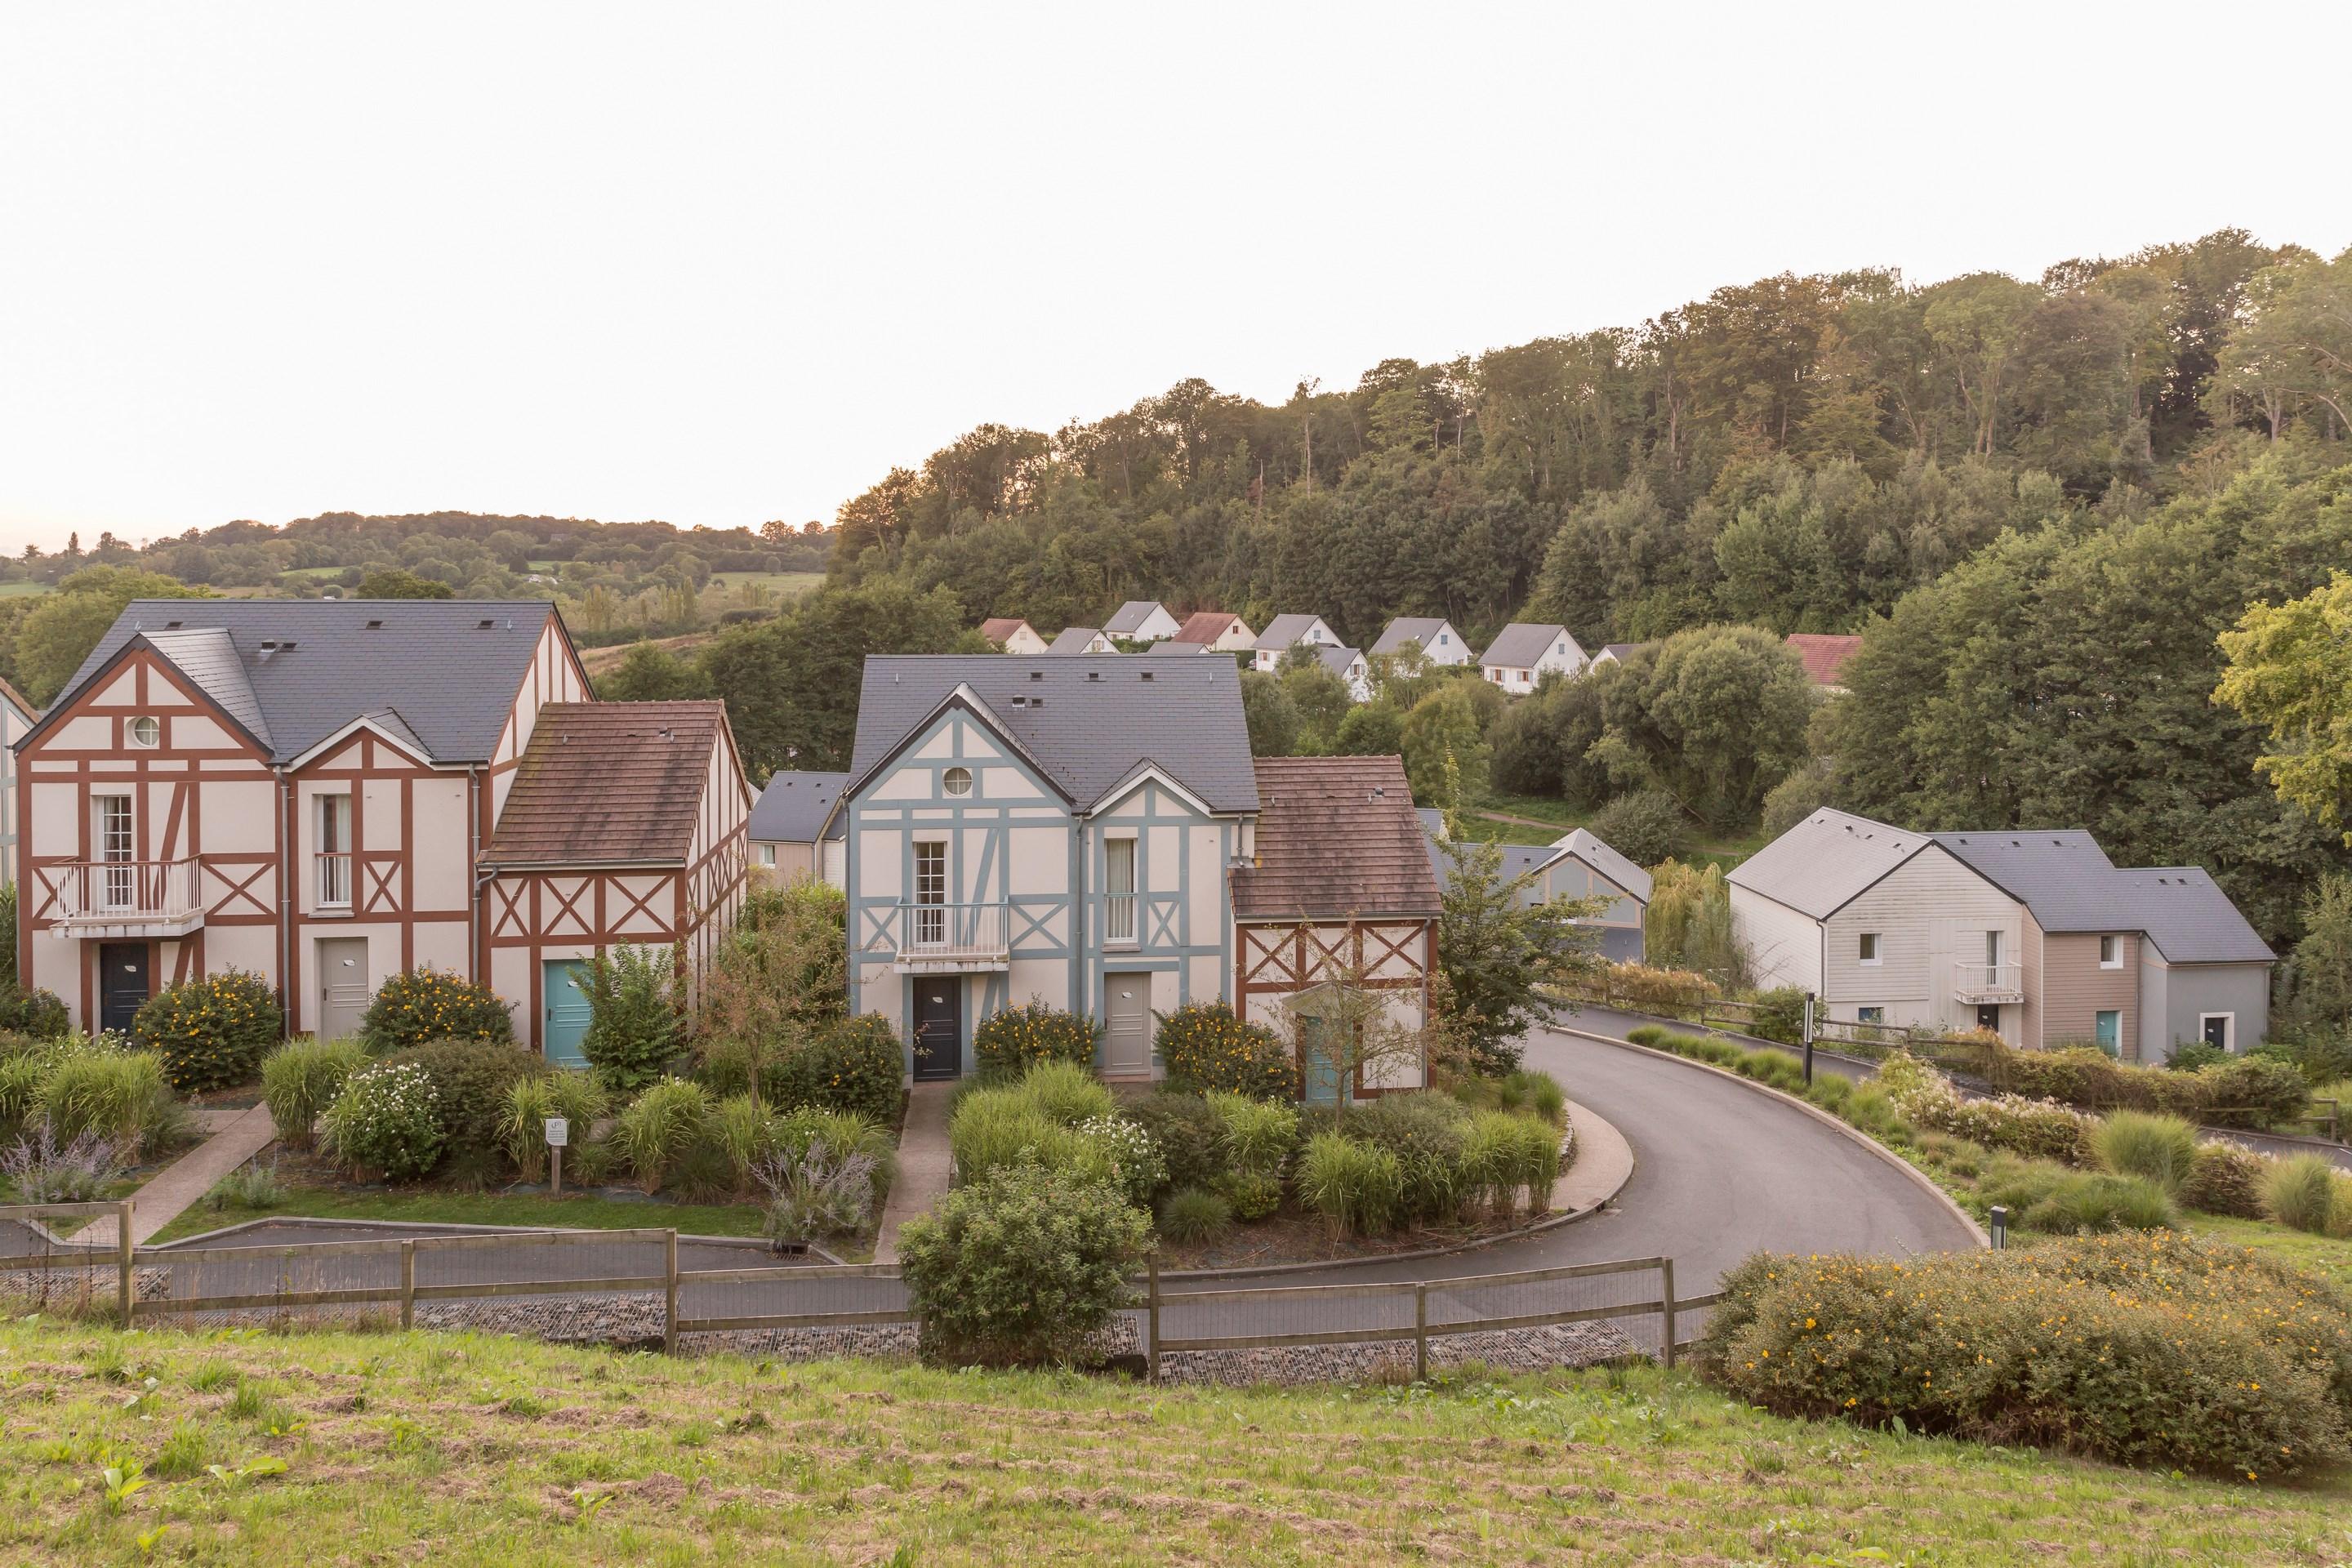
x=1336, y=838
x=996, y=629
x=1204, y=627
x=1824, y=655
x=608, y=783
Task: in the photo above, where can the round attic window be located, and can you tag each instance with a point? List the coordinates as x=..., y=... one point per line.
x=146, y=730
x=957, y=781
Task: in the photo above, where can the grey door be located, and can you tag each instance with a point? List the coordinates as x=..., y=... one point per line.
x=1127, y=1012
x=121, y=984
x=342, y=987
x=939, y=1026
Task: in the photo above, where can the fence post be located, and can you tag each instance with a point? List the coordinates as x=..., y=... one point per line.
x=408, y=1284
x=670, y=1299
x=1666, y=1295
x=1151, y=1315
x=125, y=1251
x=1421, y=1333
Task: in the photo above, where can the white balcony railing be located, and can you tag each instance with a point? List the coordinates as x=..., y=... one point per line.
x=1982, y=983
x=1119, y=918
x=953, y=936
x=335, y=879
x=124, y=894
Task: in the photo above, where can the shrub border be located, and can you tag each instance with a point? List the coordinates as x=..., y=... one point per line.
x=1918, y=1178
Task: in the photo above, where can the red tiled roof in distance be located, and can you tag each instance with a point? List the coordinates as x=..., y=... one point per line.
x=1204, y=627
x=1337, y=839
x=608, y=783
x=1824, y=655
x=996, y=629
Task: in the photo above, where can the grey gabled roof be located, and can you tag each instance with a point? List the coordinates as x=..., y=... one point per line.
x=1517, y=860
x=1073, y=640
x=1817, y=866
x=1284, y=631
x=794, y=807
x=1168, y=645
x=1597, y=854
x=1088, y=722
x=451, y=677
x=1334, y=657
x=1622, y=651
x=1130, y=616
x=1521, y=645
x=1410, y=628
x=2067, y=881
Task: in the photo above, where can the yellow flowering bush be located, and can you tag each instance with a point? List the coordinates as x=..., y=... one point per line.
x=855, y=1065
x=2148, y=1349
x=1014, y=1038
x=1206, y=1047
x=210, y=1032
x=421, y=1004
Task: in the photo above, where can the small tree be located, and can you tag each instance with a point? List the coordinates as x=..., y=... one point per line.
x=1342, y=1021
x=1688, y=923
x=778, y=979
x=1499, y=955
x=633, y=1015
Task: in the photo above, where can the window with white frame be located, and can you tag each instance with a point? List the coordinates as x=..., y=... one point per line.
x=1867, y=948
x=767, y=854
x=930, y=890
x=1118, y=889
x=956, y=780
x=111, y=835
x=2111, y=953
x=147, y=731
x=1869, y=1015
x=334, y=852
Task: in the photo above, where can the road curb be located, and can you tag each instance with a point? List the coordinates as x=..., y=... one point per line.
x=1595, y=1136
x=1856, y=1134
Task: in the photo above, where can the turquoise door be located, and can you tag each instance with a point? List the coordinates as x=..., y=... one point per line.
x=1319, y=1075
x=2110, y=1027
x=564, y=1022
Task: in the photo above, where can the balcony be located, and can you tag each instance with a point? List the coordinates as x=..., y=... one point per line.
x=128, y=899
x=951, y=939
x=1984, y=984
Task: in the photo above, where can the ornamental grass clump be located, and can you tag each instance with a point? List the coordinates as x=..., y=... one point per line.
x=1424, y=1133
x=2151, y=1349
x=2134, y=1143
x=1195, y=1215
x=210, y=1033
x=660, y=1127
x=576, y=1097
x=1204, y=1047
x=386, y=1120
x=815, y=1191
x=1067, y=1093
x=2225, y=1179
x=1358, y=1188
x=420, y=1004
x=995, y=1127
x=121, y=1095
x=300, y=1078
x=1504, y=1155
x=1016, y=1038
x=2300, y=1193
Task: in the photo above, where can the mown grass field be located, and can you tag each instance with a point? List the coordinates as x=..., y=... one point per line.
x=2329, y=1256
x=411, y=1447
x=425, y=1206
x=22, y=590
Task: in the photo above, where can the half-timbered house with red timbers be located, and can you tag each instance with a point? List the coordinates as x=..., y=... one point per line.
x=304, y=789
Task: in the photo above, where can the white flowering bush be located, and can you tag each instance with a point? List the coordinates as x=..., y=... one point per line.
x=1127, y=1155
x=2043, y=1129
x=386, y=1119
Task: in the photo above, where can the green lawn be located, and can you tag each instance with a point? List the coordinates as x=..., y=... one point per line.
x=397, y=1448
x=788, y=583
x=2325, y=1255
x=1725, y=850
x=22, y=590
x=430, y=1207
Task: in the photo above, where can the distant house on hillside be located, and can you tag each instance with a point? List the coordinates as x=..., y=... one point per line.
x=1616, y=653
x=1082, y=640
x=1216, y=630
x=1012, y=634
x=1524, y=652
x=1575, y=866
x=1825, y=658
x=794, y=831
x=1438, y=641
x=1286, y=632
x=1350, y=666
x=1177, y=647
x=16, y=717
x=1142, y=620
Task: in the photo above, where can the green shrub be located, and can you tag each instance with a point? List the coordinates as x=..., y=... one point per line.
x=300, y=1078
x=21, y=1078
x=633, y=1034
x=2224, y=1178
x=120, y=1095
x=1016, y=1038
x=746, y=1132
x=1189, y=1134
x=995, y=1127
x=1521, y=1089
x=1253, y=1193
x=1424, y=1132
x=2095, y=1201
x=1647, y=827
x=1780, y=1015
x=470, y=1078
x=659, y=1127
x=1067, y=1093
x=210, y=1032
x=1027, y=1266
x=1125, y=1155
x=420, y=1004
x=1357, y=1187
x=385, y=1118
x=1260, y=1134
x=855, y=1064
x=576, y=1097
x=37, y=1013
x=1204, y=1047
x=845, y=1133
x=2253, y=1091
x=2134, y=1143
x=1195, y=1215
x=2192, y=1055
x=2299, y=1192
x=2040, y=1128
x=2148, y=1349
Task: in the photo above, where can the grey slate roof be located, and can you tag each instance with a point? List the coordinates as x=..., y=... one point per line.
x=2067, y=881
x=1409, y=628
x=1168, y=645
x=451, y=678
x=793, y=808
x=1519, y=859
x=1597, y=854
x=1088, y=722
x=1073, y=640
x=1335, y=658
x=1125, y=621
x=1284, y=631
x=1521, y=645
x=1622, y=651
x=1817, y=866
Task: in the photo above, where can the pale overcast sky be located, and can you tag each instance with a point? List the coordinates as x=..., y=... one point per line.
x=718, y=263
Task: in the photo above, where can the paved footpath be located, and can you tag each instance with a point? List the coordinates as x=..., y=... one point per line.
x=182, y=1183
x=924, y=1165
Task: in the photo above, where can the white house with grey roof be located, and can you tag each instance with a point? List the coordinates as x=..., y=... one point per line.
x=795, y=830
x=1576, y=865
x=1350, y=666
x=1286, y=632
x=1433, y=634
x=1142, y=620
x=1081, y=639
x=1524, y=652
